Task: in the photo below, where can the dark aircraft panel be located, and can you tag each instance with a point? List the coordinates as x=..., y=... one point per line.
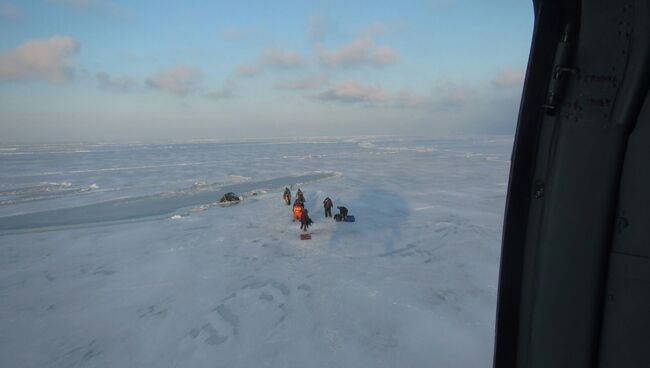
x=625, y=339
x=625, y=335
x=586, y=82
x=632, y=235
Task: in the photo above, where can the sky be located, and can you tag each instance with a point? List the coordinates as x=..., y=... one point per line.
x=112, y=70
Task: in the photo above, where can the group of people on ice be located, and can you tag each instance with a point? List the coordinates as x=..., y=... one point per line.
x=301, y=214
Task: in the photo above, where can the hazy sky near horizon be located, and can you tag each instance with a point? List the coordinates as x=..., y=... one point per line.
x=73, y=70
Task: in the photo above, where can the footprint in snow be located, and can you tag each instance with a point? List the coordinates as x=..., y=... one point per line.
x=254, y=311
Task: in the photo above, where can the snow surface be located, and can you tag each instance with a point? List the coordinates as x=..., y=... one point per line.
x=118, y=255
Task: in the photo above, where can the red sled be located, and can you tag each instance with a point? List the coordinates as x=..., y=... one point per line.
x=305, y=236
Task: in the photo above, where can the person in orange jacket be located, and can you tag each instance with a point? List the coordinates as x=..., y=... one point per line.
x=297, y=210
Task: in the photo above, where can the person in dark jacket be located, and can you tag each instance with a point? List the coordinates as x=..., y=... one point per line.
x=343, y=212
x=287, y=196
x=305, y=221
x=327, y=204
x=299, y=196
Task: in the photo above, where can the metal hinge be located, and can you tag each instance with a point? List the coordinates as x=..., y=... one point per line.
x=560, y=69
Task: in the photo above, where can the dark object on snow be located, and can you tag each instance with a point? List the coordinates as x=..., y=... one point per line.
x=327, y=204
x=339, y=218
x=343, y=212
x=305, y=236
x=229, y=197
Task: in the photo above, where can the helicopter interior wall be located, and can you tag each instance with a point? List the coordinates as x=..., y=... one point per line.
x=625, y=336
x=571, y=145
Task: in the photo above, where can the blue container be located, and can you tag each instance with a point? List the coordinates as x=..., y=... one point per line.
x=349, y=219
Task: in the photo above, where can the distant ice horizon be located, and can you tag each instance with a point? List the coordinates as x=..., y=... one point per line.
x=7, y=144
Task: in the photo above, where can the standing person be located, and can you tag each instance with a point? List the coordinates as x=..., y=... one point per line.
x=305, y=221
x=327, y=204
x=297, y=210
x=287, y=196
x=299, y=196
x=343, y=212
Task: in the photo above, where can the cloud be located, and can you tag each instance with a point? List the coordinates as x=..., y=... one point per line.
x=270, y=58
x=236, y=33
x=353, y=92
x=9, y=11
x=452, y=96
x=279, y=59
x=319, y=27
x=225, y=92
x=372, y=30
x=246, y=71
x=40, y=59
x=360, y=52
x=180, y=80
x=509, y=78
x=377, y=29
x=97, y=6
x=122, y=84
x=405, y=99
x=306, y=83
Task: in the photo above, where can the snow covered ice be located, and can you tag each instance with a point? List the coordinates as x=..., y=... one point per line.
x=118, y=255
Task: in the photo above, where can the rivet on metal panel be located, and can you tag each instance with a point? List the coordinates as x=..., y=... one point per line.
x=621, y=224
x=538, y=191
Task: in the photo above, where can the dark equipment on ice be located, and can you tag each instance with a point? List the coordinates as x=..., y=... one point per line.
x=343, y=212
x=574, y=284
x=229, y=198
x=343, y=215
